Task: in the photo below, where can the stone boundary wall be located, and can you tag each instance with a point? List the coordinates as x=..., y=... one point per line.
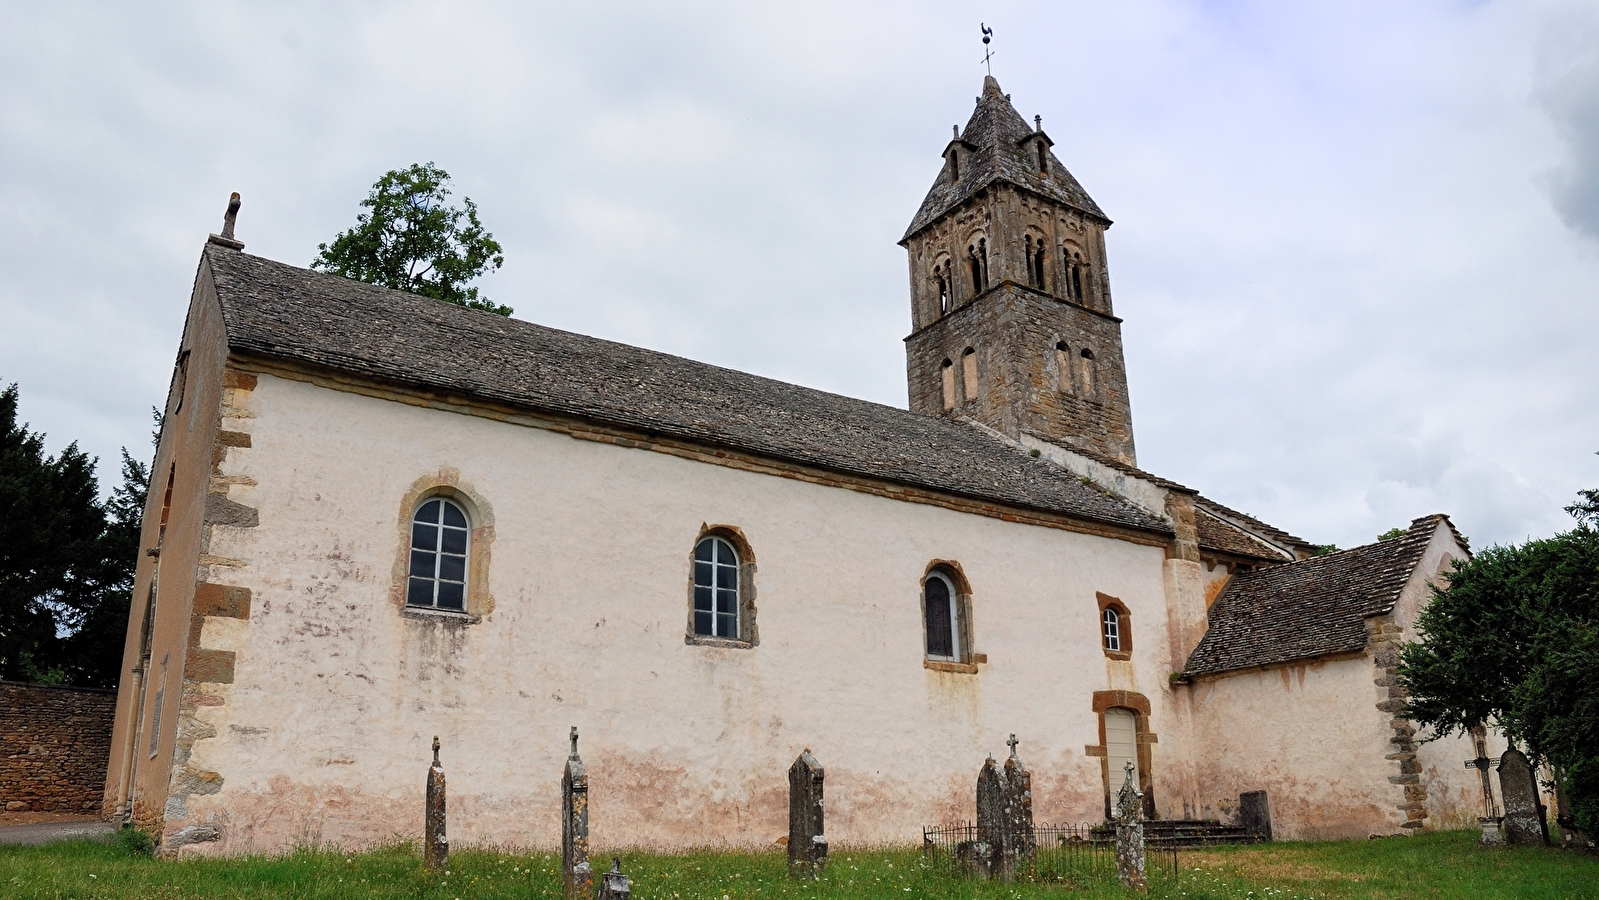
x=54, y=744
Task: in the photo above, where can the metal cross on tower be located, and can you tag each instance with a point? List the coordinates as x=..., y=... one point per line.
x=988, y=35
x=1012, y=744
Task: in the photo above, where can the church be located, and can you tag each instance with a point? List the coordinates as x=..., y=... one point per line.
x=375, y=517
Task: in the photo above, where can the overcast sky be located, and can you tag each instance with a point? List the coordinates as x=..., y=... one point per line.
x=1356, y=245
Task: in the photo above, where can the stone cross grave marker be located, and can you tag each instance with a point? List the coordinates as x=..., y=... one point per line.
x=1019, y=806
x=807, y=842
x=1130, y=834
x=576, y=876
x=435, y=845
x=1524, y=823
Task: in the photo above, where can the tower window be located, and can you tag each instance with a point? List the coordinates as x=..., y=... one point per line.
x=954, y=164
x=1063, y=366
x=946, y=375
x=1035, y=256
x=1086, y=375
x=1075, y=265
x=977, y=256
x=1043, y=158
x=969, y=373
x=941, y=285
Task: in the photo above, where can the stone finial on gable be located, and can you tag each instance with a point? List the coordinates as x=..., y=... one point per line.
x=226, y=238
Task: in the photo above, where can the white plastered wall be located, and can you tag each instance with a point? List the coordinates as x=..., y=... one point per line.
x=326, y=732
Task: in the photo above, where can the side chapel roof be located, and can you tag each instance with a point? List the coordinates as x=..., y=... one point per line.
x=993, y=139
x=1314, y=607
x=275, y=310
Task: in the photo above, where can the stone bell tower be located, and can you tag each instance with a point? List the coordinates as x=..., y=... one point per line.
x=1011, y=320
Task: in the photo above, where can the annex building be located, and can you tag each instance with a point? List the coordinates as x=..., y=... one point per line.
x=376, y=517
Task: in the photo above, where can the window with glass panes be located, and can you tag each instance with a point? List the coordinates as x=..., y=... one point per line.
x=1113, y=629
x=716, y=588
x=940, y=607
x=439, y=533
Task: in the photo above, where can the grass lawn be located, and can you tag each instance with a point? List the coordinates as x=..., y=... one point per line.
x=1426, y=866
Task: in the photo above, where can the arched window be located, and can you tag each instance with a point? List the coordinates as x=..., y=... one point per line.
x=1043, y=158
x=439, y=535
x=941, y=284
x=716, y=588
x=1086, y=375
x=1112, y=630
x=1063, y=365
x=1075, y=265
x=941, y=616
x=1038, y=267
x=969, y=373
x=1115, y=628
x=946, y=379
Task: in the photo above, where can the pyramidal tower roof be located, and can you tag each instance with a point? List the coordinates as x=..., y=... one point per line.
x=995, y=143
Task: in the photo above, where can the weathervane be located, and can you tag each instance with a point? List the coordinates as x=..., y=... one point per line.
x=988, y=35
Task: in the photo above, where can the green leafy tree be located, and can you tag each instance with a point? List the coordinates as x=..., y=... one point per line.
x=411, y=239
x=66, y=572
x=1392, y=533
x=1513, y=641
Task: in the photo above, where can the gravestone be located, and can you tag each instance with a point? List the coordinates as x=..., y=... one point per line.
x=992, y=803
x=1254, y=815
x=1019, y=806
x=1523, y=823
x=1130, y=834
x=1570, y=834
x=576, y=877
x=613, y=884
x=807, y=842
x=435, y=845
x=1490, y=819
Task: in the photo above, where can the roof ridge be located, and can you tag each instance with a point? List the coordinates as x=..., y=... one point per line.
x=278, y=310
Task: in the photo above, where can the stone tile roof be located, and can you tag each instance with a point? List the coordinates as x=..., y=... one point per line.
x=1216, y=533
x=1256, y=528
x=1314, y=607
x=993, y=137
x=280, y=311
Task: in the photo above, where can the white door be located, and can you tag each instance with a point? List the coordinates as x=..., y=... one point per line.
x=1121, y=748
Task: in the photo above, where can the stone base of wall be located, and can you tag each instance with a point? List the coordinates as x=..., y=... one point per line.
x=55, y=743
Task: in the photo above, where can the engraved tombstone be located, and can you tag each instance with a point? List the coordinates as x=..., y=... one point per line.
x=807, y=842
x=992, y=802
x=1254, y=815
x=1523, y=823
x=576, y=877
x=435, y=845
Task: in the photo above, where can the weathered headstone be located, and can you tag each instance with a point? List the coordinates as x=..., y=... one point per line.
x=807, y=842
x=1254, y=815
x=576, y=876
x=992, y=801
x=613, y=884
x=1523, y=823
x=435, y=844
x=1130, y=834
x=1019, y=806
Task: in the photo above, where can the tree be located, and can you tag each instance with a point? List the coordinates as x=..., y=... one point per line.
x=1513, y=641
x=411, y=239
x=66, y=574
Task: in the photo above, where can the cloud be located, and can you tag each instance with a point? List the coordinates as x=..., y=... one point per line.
x=1568, y=90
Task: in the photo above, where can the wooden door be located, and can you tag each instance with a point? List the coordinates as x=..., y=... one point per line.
x=1121, y=748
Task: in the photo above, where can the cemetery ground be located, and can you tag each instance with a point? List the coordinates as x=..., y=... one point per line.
x=1439, y=865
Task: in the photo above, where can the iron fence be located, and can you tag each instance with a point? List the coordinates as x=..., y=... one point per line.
x=1050, y=853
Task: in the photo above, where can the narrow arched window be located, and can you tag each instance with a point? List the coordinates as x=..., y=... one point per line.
x=439, y=535
x=969, y=373
x=977, y=269
x=946, y=380
x=1043, y=159
x=1086, y=375
x=1077, y=278
x=1063, y=365
x=1113, y=630
x=941, y=616
x=941, y=285
x=1038, y=267
x=1028, y=253
x=716, y=588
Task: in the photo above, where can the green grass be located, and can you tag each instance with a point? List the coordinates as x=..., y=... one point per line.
x=1426, y=866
